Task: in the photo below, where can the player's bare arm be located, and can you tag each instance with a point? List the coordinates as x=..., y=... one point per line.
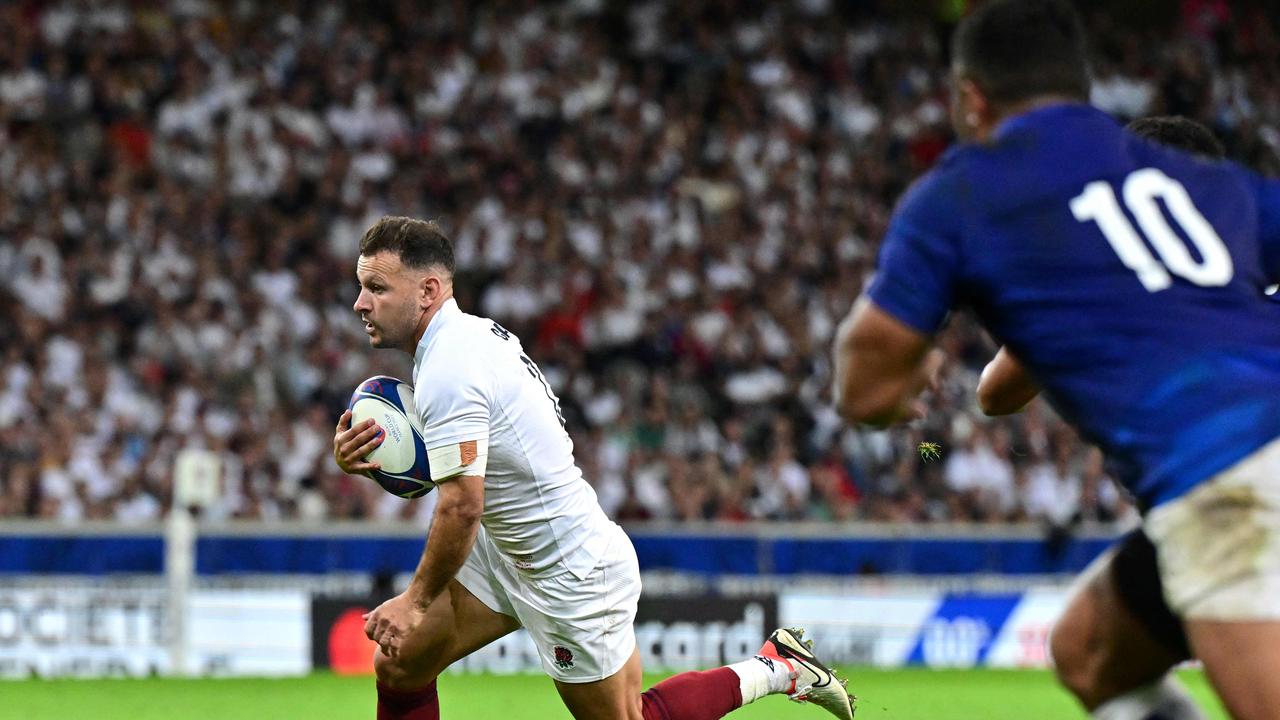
x=352, y=444
x=881, y=365
x=1005, y=386
x=453, y=532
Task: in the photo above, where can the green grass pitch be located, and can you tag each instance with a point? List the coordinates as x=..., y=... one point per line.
x=885, y=694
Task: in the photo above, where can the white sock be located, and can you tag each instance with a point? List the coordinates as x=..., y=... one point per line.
x=1163, y=700
x=762, y=676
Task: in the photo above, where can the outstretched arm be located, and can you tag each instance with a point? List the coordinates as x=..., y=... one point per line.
x=453, y=532
x=1005, y=386
x=881, y=365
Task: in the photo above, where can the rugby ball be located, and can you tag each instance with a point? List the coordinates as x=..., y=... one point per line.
x=404, y=471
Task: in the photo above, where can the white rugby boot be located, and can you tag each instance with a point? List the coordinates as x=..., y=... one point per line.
x=814, y=683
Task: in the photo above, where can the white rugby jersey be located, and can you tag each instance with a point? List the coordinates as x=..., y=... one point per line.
x=473, y=381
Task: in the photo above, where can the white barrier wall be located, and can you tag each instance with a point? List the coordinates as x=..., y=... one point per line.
x=89, y=632
x=249, y=633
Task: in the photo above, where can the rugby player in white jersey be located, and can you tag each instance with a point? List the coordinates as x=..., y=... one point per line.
x=518, y=538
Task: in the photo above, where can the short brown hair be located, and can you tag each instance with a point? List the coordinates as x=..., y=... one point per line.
x=418, y=243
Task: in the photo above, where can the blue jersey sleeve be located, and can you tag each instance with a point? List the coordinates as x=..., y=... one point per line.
x=1267, y=195
x=919, y=260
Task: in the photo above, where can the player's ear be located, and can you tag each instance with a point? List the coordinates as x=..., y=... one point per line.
x=428, y=289
x=973, y=112
x=434, y=285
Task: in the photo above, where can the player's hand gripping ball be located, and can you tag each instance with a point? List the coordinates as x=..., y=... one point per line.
x=402, y=456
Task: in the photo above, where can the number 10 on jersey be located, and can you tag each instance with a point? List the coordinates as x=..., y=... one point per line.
x=1141, y=189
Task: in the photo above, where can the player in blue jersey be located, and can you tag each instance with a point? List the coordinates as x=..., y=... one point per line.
x=1114, y=644
x=1128, y=279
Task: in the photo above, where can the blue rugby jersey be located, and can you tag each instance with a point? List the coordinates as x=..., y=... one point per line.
x=1128, y=277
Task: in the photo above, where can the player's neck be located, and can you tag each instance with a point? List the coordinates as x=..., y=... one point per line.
x=425, y=322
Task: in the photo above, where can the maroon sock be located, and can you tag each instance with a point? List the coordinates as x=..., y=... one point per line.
x=705, y=695
x=420, y=704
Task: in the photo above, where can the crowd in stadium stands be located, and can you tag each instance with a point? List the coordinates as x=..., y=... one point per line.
x=672, y=203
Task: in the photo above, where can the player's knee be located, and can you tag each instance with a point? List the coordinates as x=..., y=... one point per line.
x=387, y=669
x=401, y=673
x=635, y=708
x=1076, y=659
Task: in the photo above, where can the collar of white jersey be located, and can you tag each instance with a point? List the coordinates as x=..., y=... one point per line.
x=446, y=311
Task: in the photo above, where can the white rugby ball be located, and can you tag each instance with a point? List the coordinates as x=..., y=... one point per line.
x=402, y=455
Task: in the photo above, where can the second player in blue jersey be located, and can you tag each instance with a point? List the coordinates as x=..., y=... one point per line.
x=1128, y=279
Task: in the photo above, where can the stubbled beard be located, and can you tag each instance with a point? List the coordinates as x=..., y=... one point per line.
x=387, y=339
x=395, y=334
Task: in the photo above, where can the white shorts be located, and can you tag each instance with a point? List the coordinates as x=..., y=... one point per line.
x=584, y=629
x=1219, y=545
